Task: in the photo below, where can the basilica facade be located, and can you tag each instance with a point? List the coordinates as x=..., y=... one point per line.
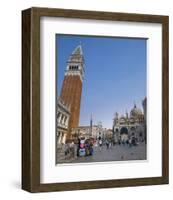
x=131, y=125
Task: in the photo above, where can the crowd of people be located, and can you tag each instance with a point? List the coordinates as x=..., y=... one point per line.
x=86, y=147
x=109, y=142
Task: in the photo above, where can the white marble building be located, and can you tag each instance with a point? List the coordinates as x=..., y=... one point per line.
x=91, y=131
x=63, y=115
x=131, y=124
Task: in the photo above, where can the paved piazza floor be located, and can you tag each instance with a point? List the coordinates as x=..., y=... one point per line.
x=115, y=153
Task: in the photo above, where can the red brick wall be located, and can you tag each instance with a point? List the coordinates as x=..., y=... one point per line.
x=71, y=95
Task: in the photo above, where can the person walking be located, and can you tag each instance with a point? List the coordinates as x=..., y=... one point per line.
x=110, y=143
x=100, y=144
x=107, y=144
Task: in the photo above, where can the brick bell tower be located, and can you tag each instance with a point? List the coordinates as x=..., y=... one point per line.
x=72, y=86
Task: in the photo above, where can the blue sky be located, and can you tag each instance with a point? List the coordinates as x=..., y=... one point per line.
x=115, y=74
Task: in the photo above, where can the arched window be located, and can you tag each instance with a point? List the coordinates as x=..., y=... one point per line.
x=73, y=67
x=124, y=130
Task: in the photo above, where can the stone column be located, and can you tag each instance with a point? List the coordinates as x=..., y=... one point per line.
x=64, y=118
x=64, y=138
x=59, y=137
x=67, y=120
x=59, y=118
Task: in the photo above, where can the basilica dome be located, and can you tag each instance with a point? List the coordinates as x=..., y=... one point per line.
x=122, y=117
x=135, y=112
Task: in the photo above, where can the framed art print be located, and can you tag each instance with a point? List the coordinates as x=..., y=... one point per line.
x=94, y=99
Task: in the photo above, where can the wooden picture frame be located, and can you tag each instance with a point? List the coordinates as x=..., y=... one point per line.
x=31, y=99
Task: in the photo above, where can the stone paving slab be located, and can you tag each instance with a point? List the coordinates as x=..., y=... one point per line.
x=115, y=153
